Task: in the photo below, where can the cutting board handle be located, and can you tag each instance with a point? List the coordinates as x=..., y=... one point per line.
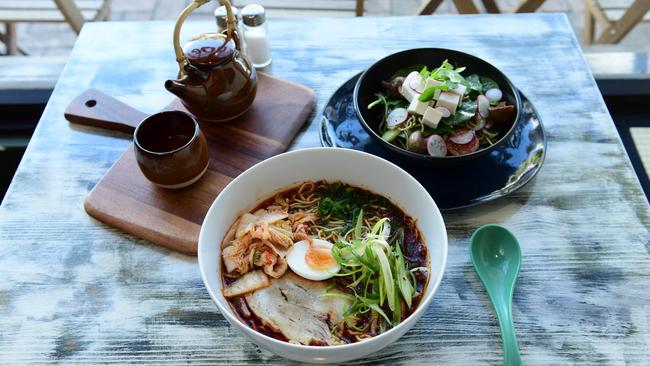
x=94, y=108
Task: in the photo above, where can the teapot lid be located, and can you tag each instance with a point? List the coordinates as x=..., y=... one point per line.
x=209, y=49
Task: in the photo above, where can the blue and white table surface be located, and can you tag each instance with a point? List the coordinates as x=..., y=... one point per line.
x=75, y=291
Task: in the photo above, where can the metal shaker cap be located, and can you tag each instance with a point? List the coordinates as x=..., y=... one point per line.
x=253, y=15
x=221, y=15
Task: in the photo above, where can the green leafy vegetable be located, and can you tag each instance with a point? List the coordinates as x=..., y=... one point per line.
x=488, y=83
x=429, y=92
x=342, y=202
x=328, y=206
x=441, y=130
x=383, y=98
x=446, y=71
x=378, y=274
x=464, y=113
x=404, y=277
x=357, y=227
x=473, y=85
x=380, y=100
x=390, y=134
x=424, y=73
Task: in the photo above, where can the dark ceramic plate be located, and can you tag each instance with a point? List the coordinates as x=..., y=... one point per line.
x=458, y=185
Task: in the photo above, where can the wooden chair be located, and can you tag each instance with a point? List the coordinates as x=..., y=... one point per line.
x=48, y=11
x=616, y=18
x=468, y=6
x=298, y=9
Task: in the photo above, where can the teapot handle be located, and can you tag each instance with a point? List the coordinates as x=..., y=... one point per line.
x=195, y=4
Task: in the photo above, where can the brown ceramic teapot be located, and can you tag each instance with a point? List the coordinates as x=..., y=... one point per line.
x=216, y=81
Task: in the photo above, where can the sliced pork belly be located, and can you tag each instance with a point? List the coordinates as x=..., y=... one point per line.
x=296, y=308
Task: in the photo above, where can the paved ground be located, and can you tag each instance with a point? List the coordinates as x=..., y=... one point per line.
x=58, y=39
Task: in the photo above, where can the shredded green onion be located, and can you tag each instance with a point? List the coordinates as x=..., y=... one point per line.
x=379, y=276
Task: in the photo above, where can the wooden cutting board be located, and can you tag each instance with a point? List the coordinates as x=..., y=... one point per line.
x=125, y=199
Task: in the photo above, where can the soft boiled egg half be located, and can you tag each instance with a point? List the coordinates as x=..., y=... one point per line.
x=314, y=262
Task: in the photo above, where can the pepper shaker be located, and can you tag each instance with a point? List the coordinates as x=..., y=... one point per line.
x=220, y=16
x=255, y=35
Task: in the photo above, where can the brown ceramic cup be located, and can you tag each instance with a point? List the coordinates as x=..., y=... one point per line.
x=170, y=149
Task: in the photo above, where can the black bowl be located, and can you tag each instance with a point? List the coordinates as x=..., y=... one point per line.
x=369, y=84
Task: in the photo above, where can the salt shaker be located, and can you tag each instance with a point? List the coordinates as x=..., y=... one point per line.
x=255, y=35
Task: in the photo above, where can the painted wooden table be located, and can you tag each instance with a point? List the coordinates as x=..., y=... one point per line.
x=73, y=290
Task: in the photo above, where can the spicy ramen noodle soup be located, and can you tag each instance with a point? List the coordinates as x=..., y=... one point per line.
x=324, y=264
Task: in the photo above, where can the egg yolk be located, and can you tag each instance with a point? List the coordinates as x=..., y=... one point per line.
x=319, y=258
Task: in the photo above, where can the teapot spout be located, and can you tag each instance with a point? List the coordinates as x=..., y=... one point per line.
x=175, y=87
x=193, y=96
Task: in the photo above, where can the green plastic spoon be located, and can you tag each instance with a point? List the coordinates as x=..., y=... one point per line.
x=496, y=257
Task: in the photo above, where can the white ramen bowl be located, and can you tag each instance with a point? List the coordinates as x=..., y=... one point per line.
x=290, y=169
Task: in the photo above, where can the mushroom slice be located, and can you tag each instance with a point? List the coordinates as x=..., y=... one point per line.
x=503, y=115
x=249, y=282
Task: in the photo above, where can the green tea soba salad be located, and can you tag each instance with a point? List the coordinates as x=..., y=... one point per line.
x=440, y=112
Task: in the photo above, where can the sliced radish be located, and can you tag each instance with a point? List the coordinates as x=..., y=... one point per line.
x=462, y=137
x=483, y=106
x=445, y=112
x=396, y=117
x=407, y=81
x=436, y=146
x=494, y=95
x=464, y=149
x=416, y=83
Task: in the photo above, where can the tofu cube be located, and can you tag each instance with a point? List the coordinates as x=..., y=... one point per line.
x=431, y=117
x=448, y=100
x=417, y=107
x=406, y=91
x=432, y=82
x=460, y=90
